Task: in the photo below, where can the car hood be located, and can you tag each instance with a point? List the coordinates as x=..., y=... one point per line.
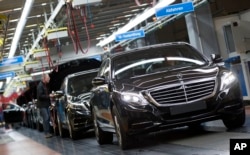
x=154, y=80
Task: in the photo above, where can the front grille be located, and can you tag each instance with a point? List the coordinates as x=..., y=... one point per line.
x=183, y=92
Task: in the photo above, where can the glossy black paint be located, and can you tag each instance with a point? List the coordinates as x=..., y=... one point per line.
x=72, y=106
x=13, y=113
x=146, y=109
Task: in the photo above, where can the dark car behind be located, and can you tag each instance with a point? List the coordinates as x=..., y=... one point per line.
x=72, y=110
x=162, y=86
x=13, y=113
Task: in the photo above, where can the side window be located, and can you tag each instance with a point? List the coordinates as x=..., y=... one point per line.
x=106, y=72
x=64, y=86
x=105, y=69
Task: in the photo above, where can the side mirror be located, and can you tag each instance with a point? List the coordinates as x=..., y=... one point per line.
x=59, y=93
x=98, y=81
x=216, y=58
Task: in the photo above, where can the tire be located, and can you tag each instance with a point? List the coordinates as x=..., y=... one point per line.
x=39, y=126
x=195, y=126
x=54, y=124
x=102, y=137
x=124, y=140
x=61, y=131
x=235, y=121
x=72, y=133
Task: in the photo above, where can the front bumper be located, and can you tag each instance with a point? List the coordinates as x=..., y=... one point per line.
x=80, y=120
x=151, y=118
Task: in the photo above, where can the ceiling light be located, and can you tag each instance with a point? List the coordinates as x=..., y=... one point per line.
x=10, y=34
x=129, y=15
x=17, y=9
x=32, y=25
x=135, y=10
x=99, y=38
x=117, y=24
x=60, y=4
x=13, y=20
x=42, y=72
x=20, y=26
x=12, y=29
x=1, y=84
x=137, y=20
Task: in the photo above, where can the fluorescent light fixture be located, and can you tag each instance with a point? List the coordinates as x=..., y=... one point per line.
x=17, y=9
x=42, y=72
x=13, y=20
x=1, y=84
x=32, y=25
x=60, y=4
x=8, y=80
x=20, y=26
x=137, y=20
x=12, y=29
x=10, y=34
x=99, y=38
x=9, y=38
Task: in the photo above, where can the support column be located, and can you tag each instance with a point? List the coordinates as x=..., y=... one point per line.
x=201, y=30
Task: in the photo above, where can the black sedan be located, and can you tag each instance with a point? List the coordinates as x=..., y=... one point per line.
x=13, y=113
x=71, y=110
x=162, y=86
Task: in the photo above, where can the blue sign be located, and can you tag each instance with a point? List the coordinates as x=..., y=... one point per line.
x=6, y=74
x=175, y=9
x=12, y=61
x=130, y=35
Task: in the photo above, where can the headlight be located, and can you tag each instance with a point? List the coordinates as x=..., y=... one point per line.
x=227, y=79
x=77, y=106
x=134, y=98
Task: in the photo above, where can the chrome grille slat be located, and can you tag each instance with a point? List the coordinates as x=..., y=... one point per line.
x=200, y=88
x=203, y=92
x=183, y=92
x=197, y=96
x=170, y=94
x=173, y=101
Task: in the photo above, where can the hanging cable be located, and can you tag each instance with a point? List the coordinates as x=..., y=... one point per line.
x=82, y=14
x=45, y=44
x=72, y=27
x=58, y=46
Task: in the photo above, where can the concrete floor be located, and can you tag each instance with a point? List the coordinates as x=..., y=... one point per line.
x=212, y=139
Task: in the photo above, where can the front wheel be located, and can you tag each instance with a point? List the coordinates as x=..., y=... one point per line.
x=102, y=137
x=124, y=140
x=55, y=126
x=235, y=121
x=60, y=128
x=72, y=133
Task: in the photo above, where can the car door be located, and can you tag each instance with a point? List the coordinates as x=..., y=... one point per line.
x=101, y=95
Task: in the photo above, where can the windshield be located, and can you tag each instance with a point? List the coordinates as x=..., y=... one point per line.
x=156, y=60
x=80, y=84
